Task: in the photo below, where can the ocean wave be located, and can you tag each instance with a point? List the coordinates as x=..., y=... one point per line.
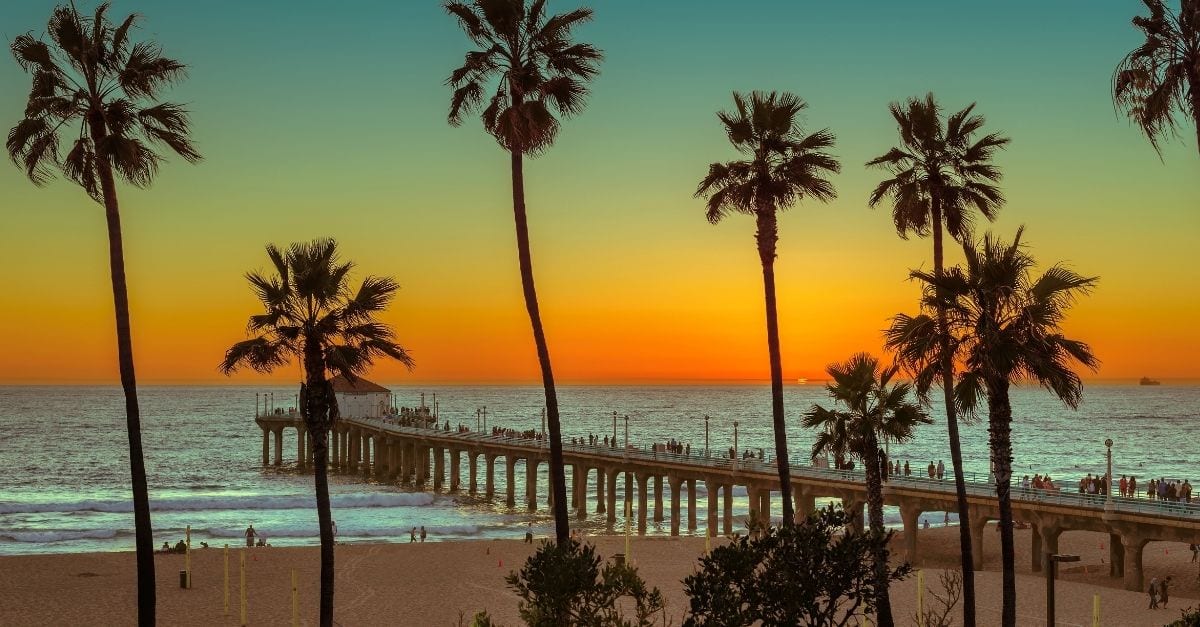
x=42, y=537
x=312, y=532
x=339, y=501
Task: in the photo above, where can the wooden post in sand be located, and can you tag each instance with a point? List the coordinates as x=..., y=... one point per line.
x=295, y=601
x=227, y=580
x=1096, y=610
x=920, y=598
x=187, y=556
x=242, y=576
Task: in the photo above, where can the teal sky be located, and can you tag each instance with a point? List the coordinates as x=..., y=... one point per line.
x=323, y=118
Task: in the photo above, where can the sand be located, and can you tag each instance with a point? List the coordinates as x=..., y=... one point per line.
x=432, y=584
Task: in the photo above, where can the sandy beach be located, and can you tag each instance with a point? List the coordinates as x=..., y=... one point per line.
x=431, y=584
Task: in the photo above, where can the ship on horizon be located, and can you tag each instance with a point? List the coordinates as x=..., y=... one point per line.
x=1148, y=381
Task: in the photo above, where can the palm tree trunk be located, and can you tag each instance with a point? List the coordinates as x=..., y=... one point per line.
x=1194, y=86
x=1000, y=436
x=767, y=235
x=960, y=483
x=317, y=404
x=558, y=482
x=142, y=528
x=883, y=598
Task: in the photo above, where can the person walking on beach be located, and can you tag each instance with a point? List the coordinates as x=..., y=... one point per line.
x=1162, y=591
x=422, y=533
x=941, y=469
x=412, y=535
x=250, y=534
x=1153, y=592
x=529, y=534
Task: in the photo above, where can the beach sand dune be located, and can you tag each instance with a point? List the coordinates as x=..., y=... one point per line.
x=431, y=584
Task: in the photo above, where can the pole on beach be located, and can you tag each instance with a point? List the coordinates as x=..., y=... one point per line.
x=921, y=598
x=187, y=556
x=1096, y=610
x=226, y=580
x=295, y=601
x=242, y=578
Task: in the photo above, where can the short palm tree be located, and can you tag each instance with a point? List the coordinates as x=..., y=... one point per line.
x=539, y=75
x=783, y=165
x=940, y=172
x=1161, y=77
x=310, y=314
x=93, y=84
x=875, y=411
x=1004, y=326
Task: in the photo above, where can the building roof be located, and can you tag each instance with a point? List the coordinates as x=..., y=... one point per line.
x=360, y=386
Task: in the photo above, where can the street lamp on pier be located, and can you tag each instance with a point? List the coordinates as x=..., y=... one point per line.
x=614, y=438
x=626, y=452
x=736, y=451
x=1108, y=502
x=706, y=435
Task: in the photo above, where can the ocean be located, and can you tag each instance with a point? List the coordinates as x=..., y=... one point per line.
x=65, y=480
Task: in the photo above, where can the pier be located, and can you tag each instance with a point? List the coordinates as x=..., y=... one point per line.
x=433, y=459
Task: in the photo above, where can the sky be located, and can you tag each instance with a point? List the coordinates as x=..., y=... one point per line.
x=322, y=121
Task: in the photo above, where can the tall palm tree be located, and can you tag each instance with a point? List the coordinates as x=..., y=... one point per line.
x=940, y=171
x=539, y=76
x=91, y=81
x=310, y=314
x=876, y=410
x=1005, y=327
x=1161, y=77
x=783, y=166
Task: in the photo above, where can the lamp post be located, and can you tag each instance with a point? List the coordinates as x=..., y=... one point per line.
x=543, y=421
x=614, y=438
x=485, y=418
x=736, y=451
x=706, y=435
x=626, y=452
x=1108, y=501
x=1051, y=571
x=478, y=427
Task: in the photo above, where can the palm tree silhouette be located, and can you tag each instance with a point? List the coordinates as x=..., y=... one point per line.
x=1004, y=326
x=92, y=82
x=876, y=410
x=939, y=173
x=310, y=314
x=540, y=75
x=784, y=165
x=1162, y=76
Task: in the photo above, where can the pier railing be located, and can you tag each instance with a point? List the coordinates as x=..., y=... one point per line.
x=801, y=466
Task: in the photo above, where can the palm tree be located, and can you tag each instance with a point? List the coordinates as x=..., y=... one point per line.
x=310, y=314
x=91, y=81
x=1004, y=326
x=540, y=75
x=784, y=165
x=876, y=410
x=1161, y=77
x=940, y=172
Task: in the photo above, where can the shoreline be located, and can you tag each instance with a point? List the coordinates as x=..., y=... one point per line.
x=430, y=583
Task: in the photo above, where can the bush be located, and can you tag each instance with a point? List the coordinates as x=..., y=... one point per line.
x=810, y=573
x=1187, y=618
x=564, y=586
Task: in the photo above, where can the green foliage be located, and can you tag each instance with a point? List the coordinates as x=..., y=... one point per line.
x=563, y=585
x=811, y=573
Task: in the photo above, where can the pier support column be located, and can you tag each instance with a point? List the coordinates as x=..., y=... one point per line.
x=370, y=457
x=805, y=502
x=455, y=473
x=278, y=446
x=510, y=487
x=910, y=516
x=691, y=484
x=714, y=492
x=978, y=525
x=601, y=499
x=472, y=483
x=643, y=485
x=489, y=480
x=300, y=446
x=308, y=449
x=352, y=446
x=1116, y=556
x=1132, y=548
x=728, y=489
x=611, y=480
x=854, y=507
x=675, y=485
x=658, y=498
x=266, y=447
x=764, y=506
x=1035, y=548
x=422, y=471
x=531, y=466
x=439, y=468
x=580, y=477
